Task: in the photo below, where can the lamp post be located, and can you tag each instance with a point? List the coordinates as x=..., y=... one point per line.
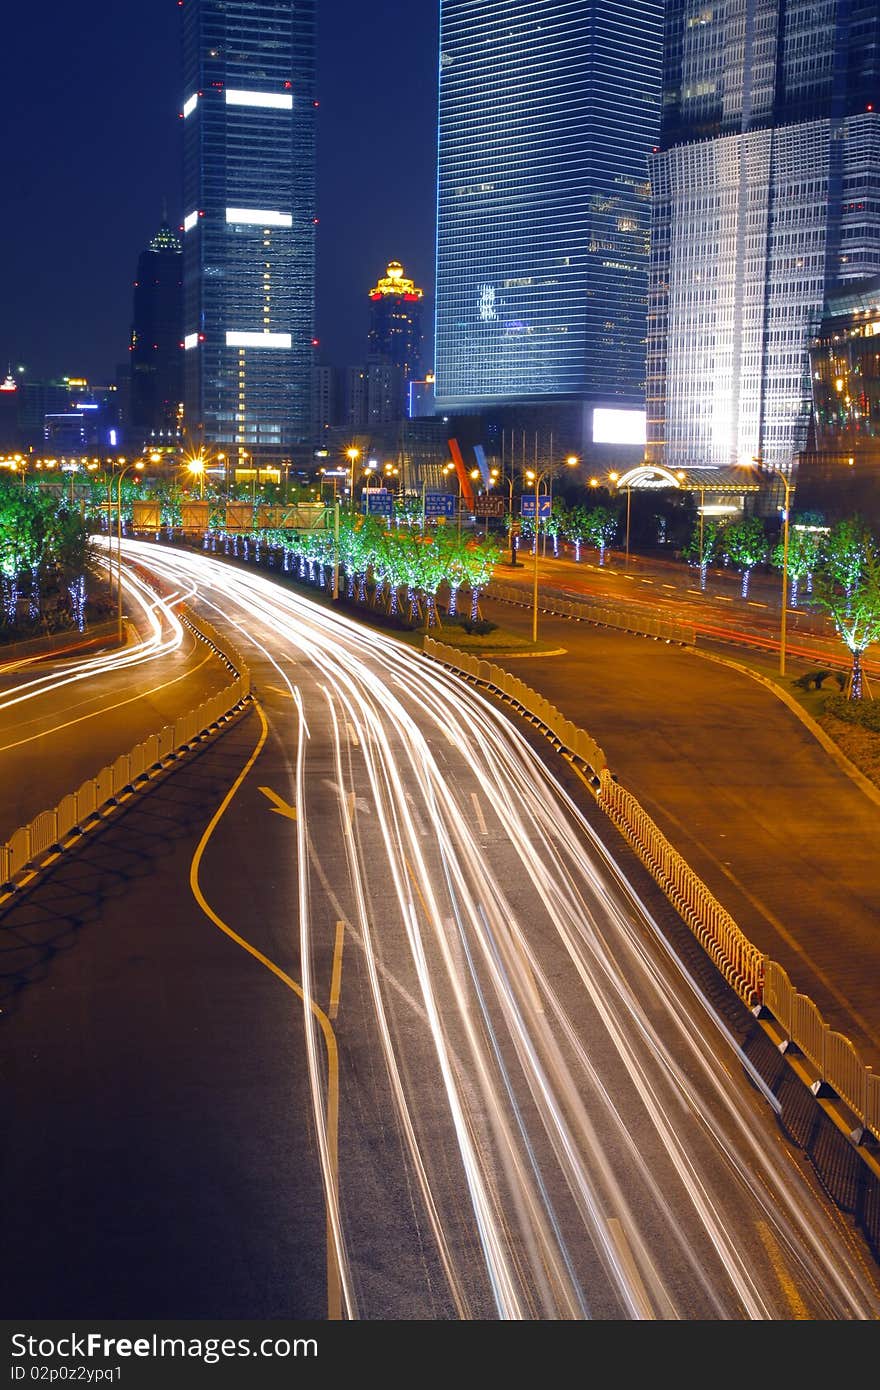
x=532, y=475
x=352, y=454
x=758, y=462
x=196, y=467
x=128, y=466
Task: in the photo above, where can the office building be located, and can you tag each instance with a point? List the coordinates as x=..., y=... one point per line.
x=156, y=368
x=547, y=113
x=248, y=117
x=394, y=341
x=766, y=194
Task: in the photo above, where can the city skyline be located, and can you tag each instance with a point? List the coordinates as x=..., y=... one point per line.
x=66, y=275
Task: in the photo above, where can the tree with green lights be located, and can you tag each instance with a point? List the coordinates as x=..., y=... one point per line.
x=804, y=551
x=745, y=545
x=601, y=528
x=703, y=547
x=849, y=589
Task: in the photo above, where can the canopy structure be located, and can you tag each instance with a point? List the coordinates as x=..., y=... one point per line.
x=718, y=481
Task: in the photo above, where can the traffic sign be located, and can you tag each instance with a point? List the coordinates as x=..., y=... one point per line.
x=377, y=501
x=487, y=504
x=440, y=504
x=544, y=503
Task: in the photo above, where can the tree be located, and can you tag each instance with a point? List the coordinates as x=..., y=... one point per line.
x=555, y=525
x=851, y=595
x=480, y=561
x=601, y=527
x=577, y=527
x=843, y=554
x=804, y=549
x=745, y=545
x=701, y=549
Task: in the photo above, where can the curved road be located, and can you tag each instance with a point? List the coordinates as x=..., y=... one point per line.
x=518, y=1105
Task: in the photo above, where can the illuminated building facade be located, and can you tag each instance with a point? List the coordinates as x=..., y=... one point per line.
x=156, y=367
x=766, y=193
x=547, y=114
x=249, y=224
x=394, y=340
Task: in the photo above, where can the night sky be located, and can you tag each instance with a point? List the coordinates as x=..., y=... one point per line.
x=91, y=95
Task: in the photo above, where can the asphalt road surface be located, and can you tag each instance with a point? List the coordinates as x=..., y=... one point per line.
x=353, y=1016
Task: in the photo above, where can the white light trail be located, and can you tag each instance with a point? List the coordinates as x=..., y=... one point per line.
x=609, y=1162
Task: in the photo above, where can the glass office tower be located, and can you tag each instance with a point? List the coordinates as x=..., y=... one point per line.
x=766, y=193
x=249, y=224
x=547, y=112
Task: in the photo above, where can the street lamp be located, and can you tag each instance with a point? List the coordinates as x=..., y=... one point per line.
x=352, y=454
x=532, y=475
x=758, y=462
x=137, y=464
x=197, y=468
x=615, y=478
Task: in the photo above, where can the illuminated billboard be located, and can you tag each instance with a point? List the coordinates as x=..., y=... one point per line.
x=618, y=426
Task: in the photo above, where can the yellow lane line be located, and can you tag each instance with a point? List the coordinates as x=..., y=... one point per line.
x=334, y=1284
x=786, y=1283
x=336, y=977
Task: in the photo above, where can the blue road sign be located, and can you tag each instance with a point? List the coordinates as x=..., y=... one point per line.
x=528, y=507
x=439, y=504
x=377, y=502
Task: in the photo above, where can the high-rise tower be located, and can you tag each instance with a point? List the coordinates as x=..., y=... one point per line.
x=156, y=366
x=766, y=193
x=394, y=342
x=249, y=224
x=548, y=110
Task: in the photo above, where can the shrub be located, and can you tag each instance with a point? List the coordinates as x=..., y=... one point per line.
x=478, y=628
x=863, y=712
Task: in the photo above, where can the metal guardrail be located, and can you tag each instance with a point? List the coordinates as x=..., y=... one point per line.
x=602, y=613
x=50, y=828
x=762, y=984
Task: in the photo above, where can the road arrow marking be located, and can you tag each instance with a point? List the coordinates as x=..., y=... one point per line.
x=281, y=807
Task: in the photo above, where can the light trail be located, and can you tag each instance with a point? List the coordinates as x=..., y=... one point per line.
x=572, y=1121
x=165, y=635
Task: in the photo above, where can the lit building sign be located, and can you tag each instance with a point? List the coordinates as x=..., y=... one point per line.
x=190, y=105
x=190, y=341
x=259, y=217
x=190, y=221
x=618, y=426
x=282, y=101
x=258, y=340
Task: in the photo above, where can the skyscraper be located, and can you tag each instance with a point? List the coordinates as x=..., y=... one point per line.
x=548, y=110
x=249, y=224
x=156, y=365
x=395, y=335
x=766, y=193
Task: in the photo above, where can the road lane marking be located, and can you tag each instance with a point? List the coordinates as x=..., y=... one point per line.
x=786, y=1283
x=336, y=977
x=627, y=1259
x=352, y=733
x=278, y=691
x=281, y=807
x=478, y=812
x=334, y=1280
